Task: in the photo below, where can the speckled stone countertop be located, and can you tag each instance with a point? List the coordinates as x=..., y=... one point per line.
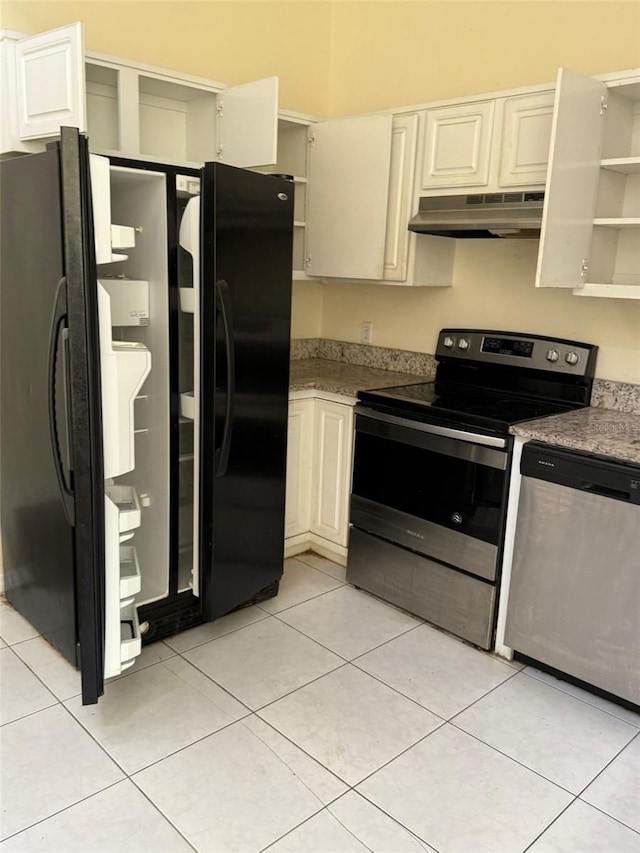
x=604, y=432
x=338, y=377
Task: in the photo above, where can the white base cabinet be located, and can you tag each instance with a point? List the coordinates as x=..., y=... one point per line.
x=319, y=454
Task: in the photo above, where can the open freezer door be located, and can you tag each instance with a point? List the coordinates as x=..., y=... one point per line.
x=247, y=124
x=52, y=490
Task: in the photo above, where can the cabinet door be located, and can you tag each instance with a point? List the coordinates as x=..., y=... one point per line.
x=331, y=474
x=458, y=146
x=526, y=132
x=50, y=82
x=348, y=195
x=299, y=453
x=572, y=181
x=247, y=125
x=404, y=136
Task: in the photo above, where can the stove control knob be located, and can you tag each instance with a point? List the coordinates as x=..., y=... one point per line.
x=572, y=358
x=553, y=355
x=463, y=343
x=448, y=342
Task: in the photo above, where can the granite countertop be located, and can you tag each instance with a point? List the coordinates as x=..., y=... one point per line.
x=321, y=374
x=604, y=432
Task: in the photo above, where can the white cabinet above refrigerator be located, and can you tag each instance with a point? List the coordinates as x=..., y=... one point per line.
x=136, y=110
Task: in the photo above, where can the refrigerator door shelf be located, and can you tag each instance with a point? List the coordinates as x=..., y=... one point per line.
x=130, y=637
x=123, y=237
x=187, y=299
x=126, y=500
x=130, y=581
x=104, y=232
x=122, y=582
x=187, y=405
x=124, y=370
x=129, y=301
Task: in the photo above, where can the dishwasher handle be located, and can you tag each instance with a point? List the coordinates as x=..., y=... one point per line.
x=607, y=478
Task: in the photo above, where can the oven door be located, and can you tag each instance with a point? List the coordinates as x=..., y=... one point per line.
x=436, y=490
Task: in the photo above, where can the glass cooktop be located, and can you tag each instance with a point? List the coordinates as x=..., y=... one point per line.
x=490, y=410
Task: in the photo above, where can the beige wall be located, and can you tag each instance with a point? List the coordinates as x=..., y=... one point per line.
x=492, y=288
x=396, y=53
x=306, y=314
x=231, y=42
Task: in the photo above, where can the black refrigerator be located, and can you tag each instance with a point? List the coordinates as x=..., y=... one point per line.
x=145, y=325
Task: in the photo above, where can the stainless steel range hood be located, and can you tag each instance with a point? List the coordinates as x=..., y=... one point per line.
x=513, y=214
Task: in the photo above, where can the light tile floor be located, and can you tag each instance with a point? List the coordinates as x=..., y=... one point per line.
x=322, y=721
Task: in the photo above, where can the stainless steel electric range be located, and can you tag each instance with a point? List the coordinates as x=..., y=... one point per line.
x=431, y=471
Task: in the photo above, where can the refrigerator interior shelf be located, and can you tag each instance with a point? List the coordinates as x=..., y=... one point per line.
x=187, y=299
x=126, y=500
x=130, y=582
x=187, y=405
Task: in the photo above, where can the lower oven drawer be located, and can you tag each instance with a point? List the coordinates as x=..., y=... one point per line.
x=454, y=601
x=433, y=540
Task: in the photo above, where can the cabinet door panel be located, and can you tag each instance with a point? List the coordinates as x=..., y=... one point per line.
x=348, y=195
x=331, y=475
x=248, y=124
x=50, y=82
x=404, y=136
x=299, y=454
x=572, y=180
x=526, y=133
x=458, y=146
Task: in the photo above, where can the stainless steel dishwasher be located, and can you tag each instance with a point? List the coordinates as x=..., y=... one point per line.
x=574, y=599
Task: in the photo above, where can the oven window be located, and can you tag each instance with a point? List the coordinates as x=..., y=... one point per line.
x=464, y=496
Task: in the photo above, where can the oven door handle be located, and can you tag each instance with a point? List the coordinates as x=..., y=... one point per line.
x=433, y=429
x=479, y=449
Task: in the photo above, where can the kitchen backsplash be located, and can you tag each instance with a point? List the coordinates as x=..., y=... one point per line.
x=607, y=394
x=621, y=396
x=365, y=355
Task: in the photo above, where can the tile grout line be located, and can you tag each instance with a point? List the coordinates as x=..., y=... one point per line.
x=37, y=677
x=61, y=811
x=399, y=822
x=162, y=814
x=581, y=699
x=339, y=585
x=517, y=761
x=348, y=660
x=298, y=557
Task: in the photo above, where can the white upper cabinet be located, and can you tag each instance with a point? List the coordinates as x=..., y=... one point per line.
x=362, y=177
x=526, y=133
x=49, y=70
x=42, y=87
x=348, y=190
x=247, y=129
x=590, y=238
x=487, y=146
x=457, y=150
x=129, y=108
x=404, y=138
x=572, y=181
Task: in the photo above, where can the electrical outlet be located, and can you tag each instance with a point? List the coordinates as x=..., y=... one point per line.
x=366, y=332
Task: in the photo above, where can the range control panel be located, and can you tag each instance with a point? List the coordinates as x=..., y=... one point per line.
x=515, y=350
